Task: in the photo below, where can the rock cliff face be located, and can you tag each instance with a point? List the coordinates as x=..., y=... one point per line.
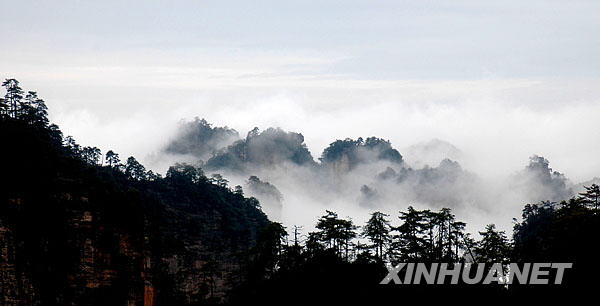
x=74, y=233
x=14, y=284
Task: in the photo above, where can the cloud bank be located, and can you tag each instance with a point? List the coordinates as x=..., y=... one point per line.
x=357, y=176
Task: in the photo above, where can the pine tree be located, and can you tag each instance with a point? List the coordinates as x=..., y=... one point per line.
x=270, y=246
x=377, y=231
x=91, y=155
x=72, y=145
x=493, y=247
x=449, y=232
x=134, y=169
x=347, y=232
x=335, y=233
x=112, y=158
x=13, y=97
x=410, y=242
x=36, y=109
x=591, y=196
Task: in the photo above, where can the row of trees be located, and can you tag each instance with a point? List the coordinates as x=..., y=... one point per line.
x=93, y=156
x=422, y=236
x=340, y=261
x=136, y=171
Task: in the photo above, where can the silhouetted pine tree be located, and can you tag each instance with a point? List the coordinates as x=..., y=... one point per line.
x=13, y=97
x=591, y=196
x=112, y=159
x=493, y=246
x=335, y=233
x=410, y=244
x=377, y=231
x=134, y=169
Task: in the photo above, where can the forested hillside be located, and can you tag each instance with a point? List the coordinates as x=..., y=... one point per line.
x=80, y=228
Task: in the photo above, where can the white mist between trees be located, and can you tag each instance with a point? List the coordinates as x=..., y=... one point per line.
x=356, y=177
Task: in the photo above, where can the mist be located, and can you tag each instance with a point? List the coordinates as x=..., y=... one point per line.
x=354, y=177
x=477, y=124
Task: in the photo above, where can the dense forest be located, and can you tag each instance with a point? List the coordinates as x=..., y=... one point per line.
x=79, y=227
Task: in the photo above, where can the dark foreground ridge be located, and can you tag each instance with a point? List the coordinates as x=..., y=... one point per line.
x=80, y=228
x=73, y=231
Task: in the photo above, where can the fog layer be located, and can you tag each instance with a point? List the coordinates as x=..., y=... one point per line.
x=358, y=176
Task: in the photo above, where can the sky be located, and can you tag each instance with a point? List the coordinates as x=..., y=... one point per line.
x=501, y=80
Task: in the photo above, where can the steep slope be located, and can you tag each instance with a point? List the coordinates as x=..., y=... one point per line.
x=73, y=232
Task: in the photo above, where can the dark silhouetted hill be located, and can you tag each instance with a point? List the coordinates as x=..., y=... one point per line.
x=75, y=232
